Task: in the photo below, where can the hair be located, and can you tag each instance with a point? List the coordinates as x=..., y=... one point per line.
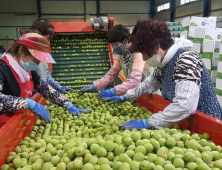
x=148, y=35
x=43, y=26
x=14, y=49
x=24, y=31
x=117, y=34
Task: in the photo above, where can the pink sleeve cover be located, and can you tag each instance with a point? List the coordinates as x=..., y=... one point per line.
x=107, y=79
x=130, y=83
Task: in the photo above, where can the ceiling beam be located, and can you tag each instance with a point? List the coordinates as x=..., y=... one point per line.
x=172, y=10
x=206, y=8
x=39, y=9
x=152, y=9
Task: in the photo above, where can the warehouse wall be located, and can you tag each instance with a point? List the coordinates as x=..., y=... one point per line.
x=163, y=15
x=8, y=20
x=191, y=9
x=216, y=8
x=124, y=12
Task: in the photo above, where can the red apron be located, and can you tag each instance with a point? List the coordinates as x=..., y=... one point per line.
x=26, y=89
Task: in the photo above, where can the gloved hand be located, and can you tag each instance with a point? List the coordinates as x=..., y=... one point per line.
x=38, y=110
x=65, y=89
x=136, y=124
x=107, y=93
x=115, y=99
x=74, y=110
x=87, y=89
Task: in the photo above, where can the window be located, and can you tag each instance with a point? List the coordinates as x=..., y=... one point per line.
x=163, y=7
x=182, y=2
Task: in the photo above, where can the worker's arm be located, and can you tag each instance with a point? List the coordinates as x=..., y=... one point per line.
x=148, y=86
x=52, y=82
x=56, y=85
x=187, y=77
x=109, y=76
x=135, y=76
x=10, y=104
x=48, y=92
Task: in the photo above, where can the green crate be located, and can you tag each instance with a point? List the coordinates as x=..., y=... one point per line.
x=81, y=59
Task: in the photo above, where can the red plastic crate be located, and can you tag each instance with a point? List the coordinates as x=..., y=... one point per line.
x=16, y=128
x=198, y=123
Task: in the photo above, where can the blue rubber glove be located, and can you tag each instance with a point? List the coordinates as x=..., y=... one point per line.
x=87, y=89
x=38, y=110
x=136, y=124
x=107, y=93
x=65, y=89
x=74, y=110
x=115, y=99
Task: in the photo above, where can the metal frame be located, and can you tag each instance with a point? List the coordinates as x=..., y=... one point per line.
x=98, y=8
x=84, y=5
x=39, y=8
x=172, y=10
x=152, y=9
x=206, y=8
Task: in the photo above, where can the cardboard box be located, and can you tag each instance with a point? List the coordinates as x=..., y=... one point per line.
x=219, y=25
x=216, y=55
x=215, y=63
x=207, y=63
x=208, y=50
x=219, y=98
x=184, y=34
x=201, y=22
x=185, y=27
x=214, y=35
x=218, y=19
x=219, y=75
x=219, y=84
x=196, y=47
x=214, y=75
x=219, y=66
x=199, y=35
x=220, y=53
x=177, y=23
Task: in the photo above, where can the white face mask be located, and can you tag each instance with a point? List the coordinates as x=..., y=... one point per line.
x=154, y=61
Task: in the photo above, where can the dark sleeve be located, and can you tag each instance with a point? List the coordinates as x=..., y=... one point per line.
x=51, y=94
x=188, y=67
x=35, y=77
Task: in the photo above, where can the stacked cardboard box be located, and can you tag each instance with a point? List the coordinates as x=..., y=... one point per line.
x=213, y=35
x=219, y=77
x=206, y=39
x=175, y=28
x=189, y=25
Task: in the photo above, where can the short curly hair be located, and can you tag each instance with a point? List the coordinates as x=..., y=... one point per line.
x=148, y=35
x=117, y=34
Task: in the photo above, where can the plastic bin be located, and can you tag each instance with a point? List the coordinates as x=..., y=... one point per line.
x=16, y=128
x=198, y=123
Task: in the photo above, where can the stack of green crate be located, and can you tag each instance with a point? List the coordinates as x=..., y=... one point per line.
x=81, y=58
x=174, y=28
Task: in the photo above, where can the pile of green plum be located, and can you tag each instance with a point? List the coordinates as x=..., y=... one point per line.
x=95, y=142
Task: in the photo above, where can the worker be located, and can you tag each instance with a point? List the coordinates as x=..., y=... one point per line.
x=132, y=65
x=18, y=78
x=46, y=29
x=181, y=74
